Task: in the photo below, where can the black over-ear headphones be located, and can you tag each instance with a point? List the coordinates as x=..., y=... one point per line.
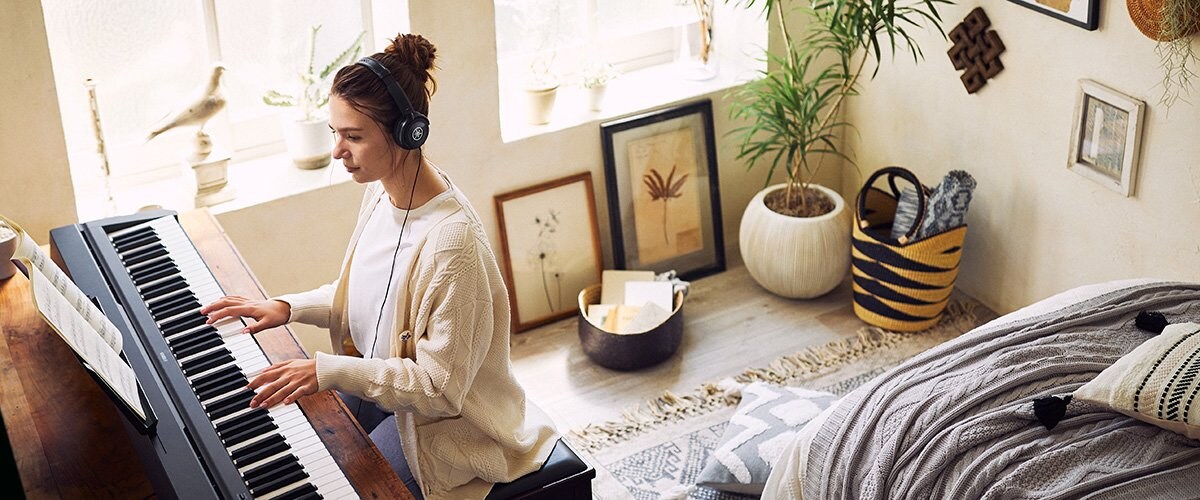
x=412, y=128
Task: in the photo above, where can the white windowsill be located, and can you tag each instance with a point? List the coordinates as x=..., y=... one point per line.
x=631, y=92
x=254, y=182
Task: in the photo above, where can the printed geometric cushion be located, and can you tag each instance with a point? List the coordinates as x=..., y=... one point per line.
x=1158, y=382
x=906, y=213
x=946, y=206
x=765, y=422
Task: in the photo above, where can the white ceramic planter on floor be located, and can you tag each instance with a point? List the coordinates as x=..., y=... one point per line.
x=796, y=257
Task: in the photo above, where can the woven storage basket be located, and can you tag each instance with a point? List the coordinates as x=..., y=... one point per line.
x=900, y=286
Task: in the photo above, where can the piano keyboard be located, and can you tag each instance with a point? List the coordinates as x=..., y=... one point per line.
x=276, y=450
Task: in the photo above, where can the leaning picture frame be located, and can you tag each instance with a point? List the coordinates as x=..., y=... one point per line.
x=550, y=248
x=664, y=201
x=1082, y=13
x=1106, y=137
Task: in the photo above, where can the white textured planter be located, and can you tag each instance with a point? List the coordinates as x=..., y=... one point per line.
x=796, y=257
x=539, y=104
x=308, y=142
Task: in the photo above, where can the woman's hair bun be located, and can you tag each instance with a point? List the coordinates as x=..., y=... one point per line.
x=413, y=50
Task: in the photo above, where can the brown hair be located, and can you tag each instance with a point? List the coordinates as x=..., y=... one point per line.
x=409, y=58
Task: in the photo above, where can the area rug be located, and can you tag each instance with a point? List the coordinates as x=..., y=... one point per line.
x=657, y=450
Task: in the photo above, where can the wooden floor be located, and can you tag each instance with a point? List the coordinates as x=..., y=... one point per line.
x=730, y=324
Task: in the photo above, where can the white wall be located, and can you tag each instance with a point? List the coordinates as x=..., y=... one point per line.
x=1037, y=228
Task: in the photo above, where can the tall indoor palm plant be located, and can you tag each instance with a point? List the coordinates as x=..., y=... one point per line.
x=793, y=121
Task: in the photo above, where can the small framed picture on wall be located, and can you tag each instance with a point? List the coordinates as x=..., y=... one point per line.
x=1106, y=138
x=550, y=248
x=1082, y=13
x=664, y=204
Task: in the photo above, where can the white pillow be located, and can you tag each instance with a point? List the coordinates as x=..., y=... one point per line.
x=1158, y=382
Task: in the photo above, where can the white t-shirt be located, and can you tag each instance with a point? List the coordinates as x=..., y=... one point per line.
x=372, y=264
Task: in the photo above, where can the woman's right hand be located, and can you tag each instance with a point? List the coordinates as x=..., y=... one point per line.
x=266, y=313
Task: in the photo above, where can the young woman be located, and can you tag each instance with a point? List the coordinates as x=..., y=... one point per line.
x=419, y=310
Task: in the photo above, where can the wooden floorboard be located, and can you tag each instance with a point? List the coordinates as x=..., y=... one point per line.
x=730, y=324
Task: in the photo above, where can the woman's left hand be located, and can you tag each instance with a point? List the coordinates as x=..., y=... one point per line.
x=285, y=382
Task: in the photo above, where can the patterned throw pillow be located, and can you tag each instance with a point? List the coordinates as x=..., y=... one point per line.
x=765, y=422
x=906, y=213
x=1158, y=382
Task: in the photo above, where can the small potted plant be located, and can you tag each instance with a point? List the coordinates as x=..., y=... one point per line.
x=541, y=89
x=595, y=80
x=306, y=129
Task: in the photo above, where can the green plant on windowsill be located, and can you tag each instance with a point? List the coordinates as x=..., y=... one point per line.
x=313, y=95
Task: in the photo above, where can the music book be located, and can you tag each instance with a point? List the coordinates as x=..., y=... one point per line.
x=71, y=314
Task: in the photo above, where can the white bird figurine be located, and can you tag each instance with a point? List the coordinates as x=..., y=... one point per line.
x=205, y=103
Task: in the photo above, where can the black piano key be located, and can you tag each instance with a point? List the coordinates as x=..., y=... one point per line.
x=202, y=333
x=248, y=433
x=140, y=253
x=218, y=389
x=305, y=491
x=248, y=420
x=171, y=302
x=195, y=344
x=206, y=362
x=163, y=288
x=144, y=255
x=271, y=445
x=275, y=474
x=150, y=273
x=141, y=240
x=176, y=308
x=183, y=324
x=133, y=268
x=227, y=406
x=282, y=481
x=133, y=235
x=216, y=381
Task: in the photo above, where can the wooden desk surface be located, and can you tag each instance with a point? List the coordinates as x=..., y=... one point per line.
x=67, y=436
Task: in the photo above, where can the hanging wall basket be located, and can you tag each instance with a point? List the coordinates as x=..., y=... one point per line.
x=1147, y=15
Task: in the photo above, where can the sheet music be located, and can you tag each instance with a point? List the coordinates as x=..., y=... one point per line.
x=62, y=315
x=28, y=251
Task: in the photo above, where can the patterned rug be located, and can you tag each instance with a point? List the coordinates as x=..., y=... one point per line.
x=658, y=449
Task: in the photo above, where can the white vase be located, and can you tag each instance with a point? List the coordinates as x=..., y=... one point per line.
x=308, y=142
x=796, y=257
x=596, y=97
x=539, y=104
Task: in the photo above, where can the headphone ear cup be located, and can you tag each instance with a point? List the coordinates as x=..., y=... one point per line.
x=398, y=134
x=414, y=131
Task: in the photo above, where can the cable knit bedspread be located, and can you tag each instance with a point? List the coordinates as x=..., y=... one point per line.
x=956, y=422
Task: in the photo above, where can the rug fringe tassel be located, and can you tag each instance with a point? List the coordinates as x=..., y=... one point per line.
x=959, y=315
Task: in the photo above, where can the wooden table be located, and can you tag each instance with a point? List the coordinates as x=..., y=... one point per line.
x=68, y=438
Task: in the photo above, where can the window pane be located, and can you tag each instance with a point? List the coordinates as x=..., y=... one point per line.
x=264, y=45
x=629, y=17
x=141, y=69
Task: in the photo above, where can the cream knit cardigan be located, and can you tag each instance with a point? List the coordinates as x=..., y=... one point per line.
x=464, y=420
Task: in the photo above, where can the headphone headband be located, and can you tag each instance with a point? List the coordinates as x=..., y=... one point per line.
x=411, y=130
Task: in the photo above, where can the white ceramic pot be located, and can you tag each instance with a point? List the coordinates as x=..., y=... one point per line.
x=308, y=142
x=539, y=104
x=796, y=257
x=596, y=97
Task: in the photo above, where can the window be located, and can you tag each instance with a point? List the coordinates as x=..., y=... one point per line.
x=145, y=57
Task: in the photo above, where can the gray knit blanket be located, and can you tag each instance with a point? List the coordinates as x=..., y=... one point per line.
x=956, y=422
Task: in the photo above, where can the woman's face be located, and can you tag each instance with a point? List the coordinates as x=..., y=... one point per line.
x=360, y=143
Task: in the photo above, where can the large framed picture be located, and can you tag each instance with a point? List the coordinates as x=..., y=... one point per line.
x=664, y=202
x=1082, y=13
x=550, y=247
x=1105, y=142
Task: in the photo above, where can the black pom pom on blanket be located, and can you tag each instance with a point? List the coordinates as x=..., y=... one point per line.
x=1151, y=321
x=1050, y=411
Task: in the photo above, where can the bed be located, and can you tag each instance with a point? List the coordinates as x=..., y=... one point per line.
x=957, y=421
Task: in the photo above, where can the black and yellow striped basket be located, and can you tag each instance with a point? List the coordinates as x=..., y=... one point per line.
x=901, y=285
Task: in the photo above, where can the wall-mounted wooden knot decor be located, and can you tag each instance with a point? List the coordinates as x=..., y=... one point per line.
x=976, y=50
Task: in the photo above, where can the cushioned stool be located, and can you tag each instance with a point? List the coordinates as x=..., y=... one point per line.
x=564, y=476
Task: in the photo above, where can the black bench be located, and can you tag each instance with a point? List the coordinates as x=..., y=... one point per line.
x=564, y=476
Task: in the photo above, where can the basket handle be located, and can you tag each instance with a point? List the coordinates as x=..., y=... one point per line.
x=893, y=172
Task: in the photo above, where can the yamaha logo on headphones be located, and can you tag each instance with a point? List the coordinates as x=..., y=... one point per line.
x=418, y=133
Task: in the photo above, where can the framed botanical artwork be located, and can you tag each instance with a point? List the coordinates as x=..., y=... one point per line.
x=550, y=247
x=1105, y=141
x=664, y=202
x=1082, y=13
